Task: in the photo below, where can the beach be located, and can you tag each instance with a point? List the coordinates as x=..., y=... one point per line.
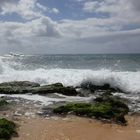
x=75, y=128
x=97, y=94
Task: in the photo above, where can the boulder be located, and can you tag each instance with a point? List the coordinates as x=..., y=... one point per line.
x=17, y=87
x=103, y=108
x=7, y=129
x=19, y=84
x=22, y=87
x=55, y=88
x=105, y=87
x=3, y=102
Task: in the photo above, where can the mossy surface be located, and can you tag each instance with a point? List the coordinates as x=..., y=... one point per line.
x=93, y=87
x=3, y=102
x=23, y=87
x=109, y=109
x=7, y=129
x=55, y=88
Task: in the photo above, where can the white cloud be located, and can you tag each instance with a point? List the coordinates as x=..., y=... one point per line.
x=27, y=9
x=96, y=34
x=91, y=6
x=36, y=28
x=56, y=11
x=119, y=13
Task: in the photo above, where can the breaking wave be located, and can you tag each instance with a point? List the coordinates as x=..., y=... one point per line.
x=126, y=81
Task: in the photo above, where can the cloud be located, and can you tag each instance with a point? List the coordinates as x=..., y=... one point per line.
x=43, y=26
x=117, y=14
x=43, y=35
x=56, y=11
x=97, y=34
x=27, y=9
x=91, y=6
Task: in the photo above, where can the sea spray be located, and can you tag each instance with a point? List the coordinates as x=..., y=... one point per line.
x=119, y=71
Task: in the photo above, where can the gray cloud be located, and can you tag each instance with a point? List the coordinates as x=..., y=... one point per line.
x=91, y=35
x=136, y=4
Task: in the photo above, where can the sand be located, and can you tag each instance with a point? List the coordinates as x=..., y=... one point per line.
x=75, y=128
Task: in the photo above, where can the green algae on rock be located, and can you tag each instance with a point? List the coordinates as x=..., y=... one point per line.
x=3, y=102
x=23, y=87
x=7, y=129
x=110, y=109
x=93, y=87
x=55, y=88
x=17, y=87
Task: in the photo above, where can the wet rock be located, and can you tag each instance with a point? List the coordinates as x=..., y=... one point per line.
x=115, y=103
x=17, y=87
x=55, y=88
x=22, y=87
x=20, y=84
x=104, y=107
x=92, y=87
x=7, y=129
x=3, y=102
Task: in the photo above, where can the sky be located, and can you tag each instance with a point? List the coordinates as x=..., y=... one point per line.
x=69, y=26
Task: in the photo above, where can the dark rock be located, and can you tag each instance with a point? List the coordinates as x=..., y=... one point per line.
x=7, y=129
x=107, y=108
x=19, y=84
x=22, y=87
x=17, y=87
x=120, y=119
x=116, y=103
x=55, y=88
x=3, y=102
x=92, y=87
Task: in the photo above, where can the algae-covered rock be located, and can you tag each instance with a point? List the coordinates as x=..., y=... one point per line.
x=17, y=87
x=7, y=129
x=19, y=84
x=116, y=102
x=93, y=87
x=108, y=109
x=3, y=102
x=55, y=88
x=22, y=87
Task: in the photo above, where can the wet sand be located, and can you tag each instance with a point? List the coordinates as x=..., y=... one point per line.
x=75, y=128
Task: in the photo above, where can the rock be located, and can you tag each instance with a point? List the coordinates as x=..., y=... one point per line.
x=17, y=87
x=3, y=102
x=92, y=87
x=55, y=88
x=116, y=102
x=7, y=129
x=103, y=108
x=22, y=87
x=19, y=84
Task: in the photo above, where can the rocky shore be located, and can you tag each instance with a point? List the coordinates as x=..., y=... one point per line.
x=104, y=107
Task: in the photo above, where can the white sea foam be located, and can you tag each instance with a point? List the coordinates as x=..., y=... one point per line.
x=127, y=81
x=44, y=100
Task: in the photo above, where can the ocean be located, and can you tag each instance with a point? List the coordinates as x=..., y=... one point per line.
x=118, y=70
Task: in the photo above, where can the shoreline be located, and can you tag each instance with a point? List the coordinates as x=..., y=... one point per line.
x=39, y=119
x=76, y=128
x=33, y=126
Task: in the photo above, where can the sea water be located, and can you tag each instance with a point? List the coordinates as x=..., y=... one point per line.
x=119, y=70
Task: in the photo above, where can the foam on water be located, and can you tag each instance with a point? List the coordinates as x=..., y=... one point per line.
x=127, y=81
x=44, y=100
